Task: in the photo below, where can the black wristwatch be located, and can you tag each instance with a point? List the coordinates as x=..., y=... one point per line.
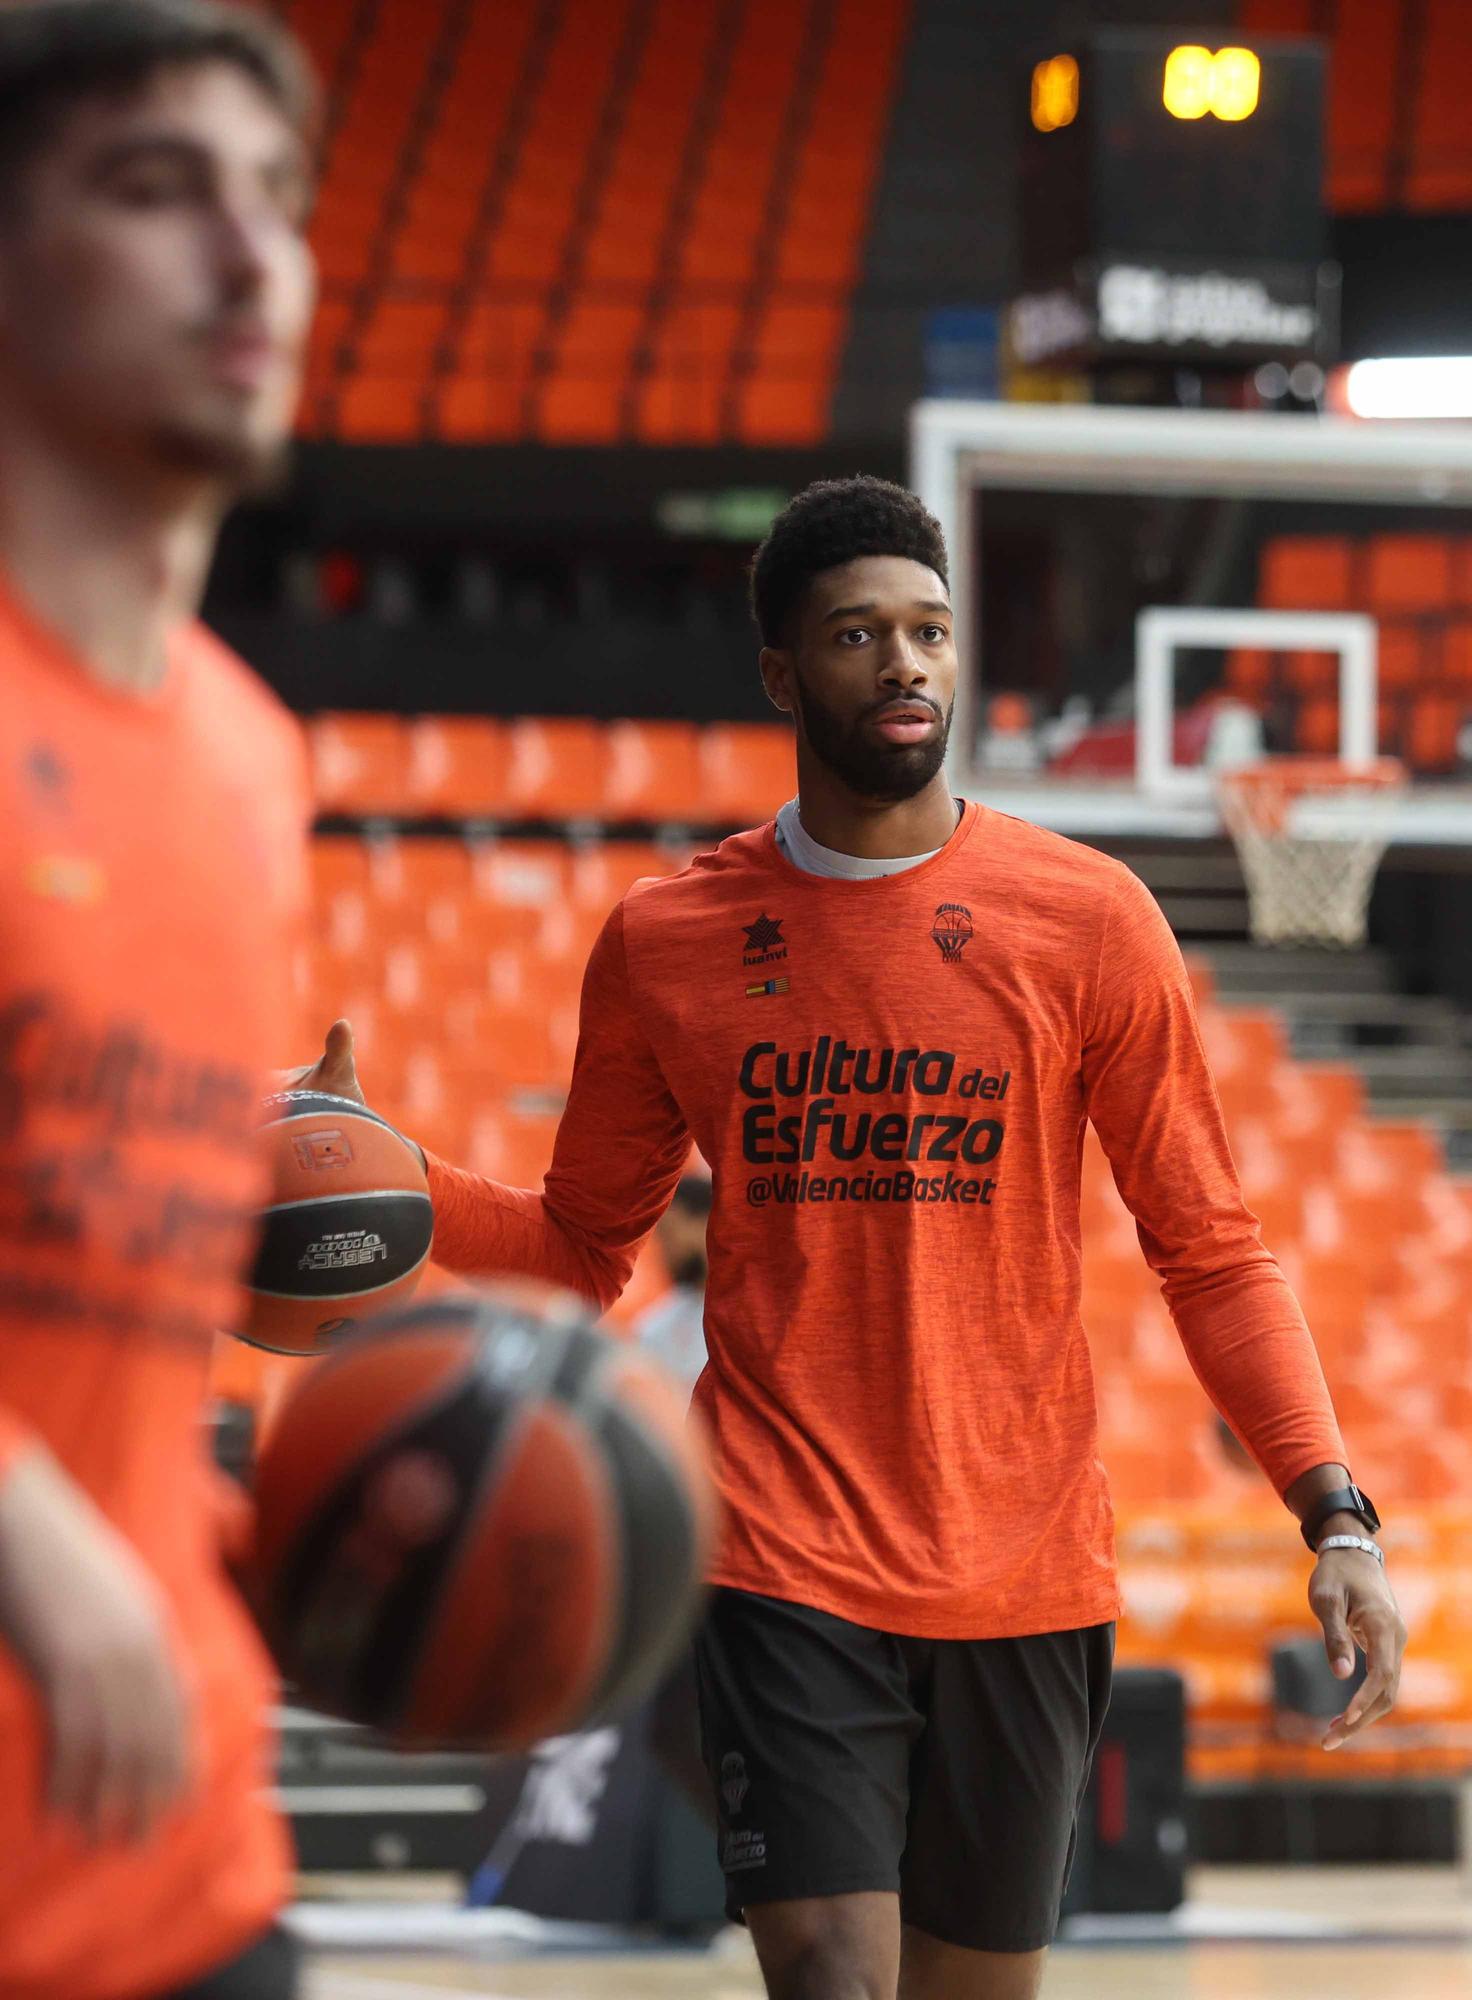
x=1343, y=1500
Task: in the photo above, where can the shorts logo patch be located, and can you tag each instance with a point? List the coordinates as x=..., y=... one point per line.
x=741, y=1850
x=734, y=1782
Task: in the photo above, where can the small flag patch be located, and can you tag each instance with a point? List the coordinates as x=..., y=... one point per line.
x=766, y=986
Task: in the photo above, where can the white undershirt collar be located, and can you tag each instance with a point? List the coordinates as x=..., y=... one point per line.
x=804, y=852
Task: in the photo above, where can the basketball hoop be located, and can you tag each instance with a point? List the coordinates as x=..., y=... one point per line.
x=1310, y=833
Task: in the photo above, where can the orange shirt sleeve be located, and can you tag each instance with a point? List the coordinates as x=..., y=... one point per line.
x=1150, y=1095
x=621, y=1147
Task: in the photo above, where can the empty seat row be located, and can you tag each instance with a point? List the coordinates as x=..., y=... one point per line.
x=1389, y=574
x=477, y=767
x=610, y=221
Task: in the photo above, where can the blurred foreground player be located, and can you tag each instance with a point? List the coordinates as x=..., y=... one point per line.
x=155, y=292
x=884, y=1020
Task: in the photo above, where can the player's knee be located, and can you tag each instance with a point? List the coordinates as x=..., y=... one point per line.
x=824, y=1974
x=818, y=1951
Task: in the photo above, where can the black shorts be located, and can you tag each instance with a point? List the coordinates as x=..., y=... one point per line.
x=950, y=1770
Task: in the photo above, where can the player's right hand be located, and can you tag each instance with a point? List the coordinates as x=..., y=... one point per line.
x=87, y=1620
x=336, y=1071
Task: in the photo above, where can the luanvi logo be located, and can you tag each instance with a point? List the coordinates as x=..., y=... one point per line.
x=952, y=930
x=765, y=943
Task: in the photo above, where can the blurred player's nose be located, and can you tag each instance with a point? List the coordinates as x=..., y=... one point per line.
x=242, y=242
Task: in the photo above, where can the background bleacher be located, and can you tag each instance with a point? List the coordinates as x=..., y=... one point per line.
x=599, y=221
x=1418, y=587
x=587, y=262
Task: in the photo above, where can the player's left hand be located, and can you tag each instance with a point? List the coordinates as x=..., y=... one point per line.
x=1351, y=1597
x=335, y=1071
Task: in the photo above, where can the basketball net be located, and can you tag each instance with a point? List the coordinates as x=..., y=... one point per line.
x=1310, y=833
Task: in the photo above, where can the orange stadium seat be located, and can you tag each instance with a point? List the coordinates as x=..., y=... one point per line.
x=1456, y=652
x=602, y=871
x=1403, y=650
x=482, y=394
x=1249, y=673
x=1408, y=573
x=459, y=766
x=1311, y=673
x=1316, y=726
x=339, y=863
x=747, y=771
x=360, y=763
x=681, y=397
x=652, y=771
x=1307, y=573
x=1433, y=730
x=557, y=768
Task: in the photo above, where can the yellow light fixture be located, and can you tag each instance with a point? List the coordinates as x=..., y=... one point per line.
x=1227, y=84
x=1054, y=93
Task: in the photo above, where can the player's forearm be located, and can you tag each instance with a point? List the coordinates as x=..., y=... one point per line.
x=485, y=1230
x=1247, y=1341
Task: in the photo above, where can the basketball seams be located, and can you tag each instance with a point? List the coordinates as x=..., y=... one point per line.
x=355, y=1194
x=316, y=1103
x=544, y=1428
x=301, y=1567
x=532, y=1388
x=457, y=1569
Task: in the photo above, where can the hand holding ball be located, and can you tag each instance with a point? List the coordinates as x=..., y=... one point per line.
x=348, y=1227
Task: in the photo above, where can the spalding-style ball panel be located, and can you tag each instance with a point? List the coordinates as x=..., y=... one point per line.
x=306, y=1327
x=542, y=1557
x=480, y=1524
x=331, y=1145
x=328, y=1421
x=348, y=1228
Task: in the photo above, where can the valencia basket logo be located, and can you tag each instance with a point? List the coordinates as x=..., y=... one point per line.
x=951, y=930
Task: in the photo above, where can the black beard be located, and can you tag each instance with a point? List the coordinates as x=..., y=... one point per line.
x=890, y=773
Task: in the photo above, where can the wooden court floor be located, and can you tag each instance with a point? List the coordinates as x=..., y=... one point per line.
x=1400, y=1934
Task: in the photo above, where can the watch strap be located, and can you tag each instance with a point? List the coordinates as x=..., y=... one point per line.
x=1343, y=1500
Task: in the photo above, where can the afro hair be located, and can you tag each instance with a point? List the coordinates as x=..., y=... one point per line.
x=832, y=522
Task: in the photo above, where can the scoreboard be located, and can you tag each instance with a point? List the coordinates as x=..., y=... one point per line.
x=1171, y=203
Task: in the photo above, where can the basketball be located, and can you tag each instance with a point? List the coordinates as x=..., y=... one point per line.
x=479, y=1523
x=348, y=1226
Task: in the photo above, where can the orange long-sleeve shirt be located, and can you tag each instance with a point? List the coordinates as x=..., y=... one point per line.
x=152, y=867
x=890, y=1079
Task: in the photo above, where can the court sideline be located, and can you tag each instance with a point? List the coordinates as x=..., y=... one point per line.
x=1357, y=1934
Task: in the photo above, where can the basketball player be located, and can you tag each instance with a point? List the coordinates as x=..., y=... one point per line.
x=884, y=1020
x=155, y=292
